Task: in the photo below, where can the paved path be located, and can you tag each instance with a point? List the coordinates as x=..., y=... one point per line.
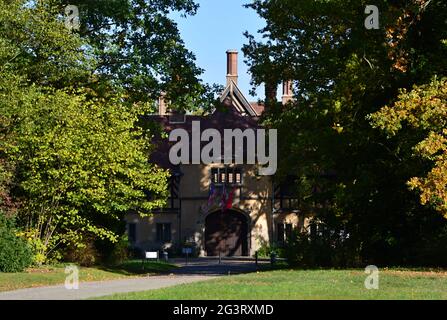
x=211, y=266
x=195, y=270
x=100, y=288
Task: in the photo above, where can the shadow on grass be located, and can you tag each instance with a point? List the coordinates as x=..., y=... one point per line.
x=284, y=265
x=280, y=265
x=136, y=267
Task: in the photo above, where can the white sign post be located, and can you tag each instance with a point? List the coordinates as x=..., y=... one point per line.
x=150, y=255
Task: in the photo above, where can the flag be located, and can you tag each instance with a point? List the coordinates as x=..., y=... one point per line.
x=223, y=201
x=229, y=202
x=211, y=196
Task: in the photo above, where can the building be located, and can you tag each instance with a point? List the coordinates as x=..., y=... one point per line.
x=260, y=212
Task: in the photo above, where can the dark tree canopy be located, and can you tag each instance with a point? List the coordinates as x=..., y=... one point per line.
x=350, y=174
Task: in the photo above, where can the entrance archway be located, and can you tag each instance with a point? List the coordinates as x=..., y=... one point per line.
x=227, y=233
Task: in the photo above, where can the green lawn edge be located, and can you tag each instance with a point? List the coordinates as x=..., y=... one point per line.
x=292, y=284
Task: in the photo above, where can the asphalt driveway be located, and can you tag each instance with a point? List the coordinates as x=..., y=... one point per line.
x=199, y=269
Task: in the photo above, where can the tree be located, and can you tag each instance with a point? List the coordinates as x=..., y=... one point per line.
x=348, y=174
x=80, y=163
x=36, y=46
x=72, y=153
x=139, y=49
x=424, y=109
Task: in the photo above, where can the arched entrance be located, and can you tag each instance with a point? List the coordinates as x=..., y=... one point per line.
x=227, y=233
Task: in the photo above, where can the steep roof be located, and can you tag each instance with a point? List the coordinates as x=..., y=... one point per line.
x=237, y=113
x=230, y=117
x=244, y=107
x=258, y=107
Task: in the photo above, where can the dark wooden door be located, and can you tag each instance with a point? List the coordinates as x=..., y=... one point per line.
x=226, y=232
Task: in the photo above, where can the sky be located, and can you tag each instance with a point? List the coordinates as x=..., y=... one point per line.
x=218, y=26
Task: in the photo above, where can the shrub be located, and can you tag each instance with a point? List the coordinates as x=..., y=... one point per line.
x=35, y=243
x=266, y=249
x=83, y=253
x=120, y=251
x=15, y=254
x=328, y=249
x=303, y=251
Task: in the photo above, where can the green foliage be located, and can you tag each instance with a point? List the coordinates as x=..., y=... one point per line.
x=266, y=249
x=120, y=251
x=35, y=44
x=82, y=252
x=347, y=173
x=15, y=255
x=139, y=50
x=6, y=203
x=69, y=144
x=72, y=156
x=424, y=109
x=81, y=162
x=328, y=249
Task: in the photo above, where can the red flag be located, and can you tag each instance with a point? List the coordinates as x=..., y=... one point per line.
x=229, y=203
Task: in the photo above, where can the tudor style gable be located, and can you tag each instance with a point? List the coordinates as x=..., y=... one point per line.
x=238, y=100
x=232, y=91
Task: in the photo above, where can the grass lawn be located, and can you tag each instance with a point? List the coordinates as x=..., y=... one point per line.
x=307, y=284
x=54, y=275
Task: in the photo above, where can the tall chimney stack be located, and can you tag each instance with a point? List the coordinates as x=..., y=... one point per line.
x=162, y=105
x=287, y=92
x=231, y=66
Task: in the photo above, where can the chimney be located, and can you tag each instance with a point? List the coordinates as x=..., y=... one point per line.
x=287, y=92
x=162, y=105
x=231, y=66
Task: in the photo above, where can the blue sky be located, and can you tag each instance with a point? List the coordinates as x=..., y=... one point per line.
x=219, y=25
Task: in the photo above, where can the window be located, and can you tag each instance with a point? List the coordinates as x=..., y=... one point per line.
x=132, y=232
x=286, y=194
x=238, y=176
x=163, y=232
x=229, y=176
x=284, y=232
x=214, y=175
x=223, y=177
